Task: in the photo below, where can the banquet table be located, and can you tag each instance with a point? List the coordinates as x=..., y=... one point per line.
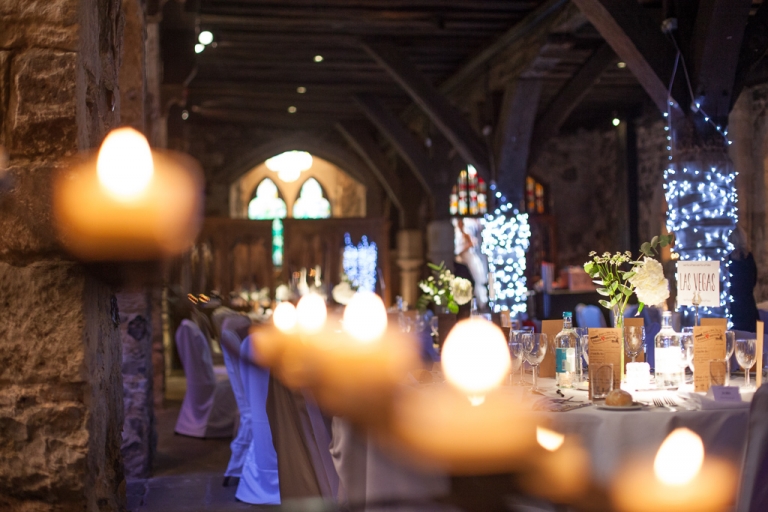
x=609, y=437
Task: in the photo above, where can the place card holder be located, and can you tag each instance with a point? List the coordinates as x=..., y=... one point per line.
x=708, y=345
x=551, y=328
x=605, y=348
x=637, y=321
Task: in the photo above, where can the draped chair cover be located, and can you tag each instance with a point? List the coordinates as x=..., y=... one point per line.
x=589, y=316
x=753, y=492
x=209, y=408
x=230, y=346
x=259, y=482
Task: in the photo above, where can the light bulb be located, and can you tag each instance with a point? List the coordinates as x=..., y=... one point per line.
x=199, y=48
x=205, y=37
x=365, y=317
x=475, y=356
x=549, y=439
x=285, y=317
x=616, y=121
x=318, y=58
x=679, y=458
x=311, y=313
x=124, y=165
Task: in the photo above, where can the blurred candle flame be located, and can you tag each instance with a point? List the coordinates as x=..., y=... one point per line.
x=311, y=313
x=679, y=458
x=285, y=317
x=365, y=317
x=124, y=165
x=475, y=357
x=549, y=439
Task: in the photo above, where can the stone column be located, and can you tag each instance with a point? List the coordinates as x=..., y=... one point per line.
x=61, y=405
x=440, y=242
x=410, y=258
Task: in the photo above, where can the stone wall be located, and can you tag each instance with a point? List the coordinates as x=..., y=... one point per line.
x=652, y=159
x=60, y=385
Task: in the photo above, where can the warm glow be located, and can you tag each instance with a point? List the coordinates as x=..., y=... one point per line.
x=290, y=165
x=621, y=64
x=285, y=316
x=616, y=121
x=475, y=356
x=679, y=458
x=549, y=439
x=365, y=317
x=301, y=90
x=291, y=109
x=125, y=165
x=318, y=58
x=311, y=313
x=205, y=37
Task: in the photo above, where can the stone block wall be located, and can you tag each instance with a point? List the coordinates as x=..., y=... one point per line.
x=61, y=403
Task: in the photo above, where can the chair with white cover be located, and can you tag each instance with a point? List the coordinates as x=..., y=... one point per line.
x=230, y=347
x=753, y=489
x=259, y=482
x=209, y=408
x=589, y=316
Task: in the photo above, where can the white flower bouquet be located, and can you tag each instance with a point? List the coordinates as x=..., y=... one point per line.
x=619, y=276
x=444, y=289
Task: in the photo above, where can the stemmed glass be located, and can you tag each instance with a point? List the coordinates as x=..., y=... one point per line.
x=686, y=353
x=535, y=347
x=581, y=348
x=730, y=346
x=745, y=355
x=517, y=350
x=634, y=336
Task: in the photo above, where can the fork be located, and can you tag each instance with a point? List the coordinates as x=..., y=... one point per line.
x=670, y=402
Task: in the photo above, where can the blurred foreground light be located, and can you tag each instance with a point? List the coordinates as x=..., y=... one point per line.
x=475, y=357
x=365, y=317
x=549, y=439
x=128, y=203
x=205, y=37
x=311, y=313
x=285, y=317
x=679, y=458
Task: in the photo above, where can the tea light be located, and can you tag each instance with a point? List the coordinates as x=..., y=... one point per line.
x=680, y=479
x=638, y=376
x=129, y=203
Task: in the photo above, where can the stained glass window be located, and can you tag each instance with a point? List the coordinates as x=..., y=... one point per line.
x=535, y=196
x=468, y=196
x=311, y=204
x=267, y=204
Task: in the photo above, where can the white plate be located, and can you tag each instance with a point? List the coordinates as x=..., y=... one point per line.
x=633, y=407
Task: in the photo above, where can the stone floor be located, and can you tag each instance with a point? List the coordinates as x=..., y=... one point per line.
x=187, y=475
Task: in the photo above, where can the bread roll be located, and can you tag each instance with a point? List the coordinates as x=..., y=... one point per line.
x=618, y=398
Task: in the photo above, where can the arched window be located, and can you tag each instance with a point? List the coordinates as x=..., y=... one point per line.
x=311, y=204
x=267, y=204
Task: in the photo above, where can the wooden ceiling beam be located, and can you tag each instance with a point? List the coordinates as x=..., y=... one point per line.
x=753, y=49
x=359, y=138
x=445, y=117
x=717, y=39
x=398, y=135
x=571, y=94
x=638, y=41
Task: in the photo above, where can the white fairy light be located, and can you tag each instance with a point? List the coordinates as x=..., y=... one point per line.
x=360, y=262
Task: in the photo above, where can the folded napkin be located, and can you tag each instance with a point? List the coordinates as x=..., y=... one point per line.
x=708, y=404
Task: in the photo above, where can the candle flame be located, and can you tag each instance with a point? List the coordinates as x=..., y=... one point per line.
x=285, y=317
x=365, y=317
x=679, y=458
x=475, y=356
x=549, y=439
x=311, y=313
x=124, y=165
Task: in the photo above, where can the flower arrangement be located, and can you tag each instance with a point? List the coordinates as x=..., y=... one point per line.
x=619, y=276
x=444, y=289
x=342, y=293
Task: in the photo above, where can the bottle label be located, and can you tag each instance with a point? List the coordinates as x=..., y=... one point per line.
x=561, y=360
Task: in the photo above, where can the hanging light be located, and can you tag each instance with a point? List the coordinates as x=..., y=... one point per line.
x=290, y=165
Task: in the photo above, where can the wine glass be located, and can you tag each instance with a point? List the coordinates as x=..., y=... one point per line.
x=535, y=347
x=581, y=332
x=730, y=346
x=517, y=350
x=686, y=353
x=745, y=355
x=634, y=336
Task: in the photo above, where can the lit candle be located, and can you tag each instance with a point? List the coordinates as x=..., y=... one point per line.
x=680, y=479
x=561, y=473
x=129, y=203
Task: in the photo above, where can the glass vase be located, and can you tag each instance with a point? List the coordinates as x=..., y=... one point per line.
x=618, y=323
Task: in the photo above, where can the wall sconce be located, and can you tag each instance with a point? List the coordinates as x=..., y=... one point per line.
x=129, y=203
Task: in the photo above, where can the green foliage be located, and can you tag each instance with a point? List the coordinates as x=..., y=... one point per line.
x=437, y=288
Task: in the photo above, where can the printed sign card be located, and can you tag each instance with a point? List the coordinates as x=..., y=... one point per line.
x=698, y=277
x=550, y=328
x=605, y=347
x=708, y=345
x=714, y=322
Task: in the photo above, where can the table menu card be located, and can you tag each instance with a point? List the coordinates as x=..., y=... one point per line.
x=605, y=347
x=550, y=328
x=714, y=322
x=708, y=345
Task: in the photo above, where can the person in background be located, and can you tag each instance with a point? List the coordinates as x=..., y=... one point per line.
x=743, y=280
